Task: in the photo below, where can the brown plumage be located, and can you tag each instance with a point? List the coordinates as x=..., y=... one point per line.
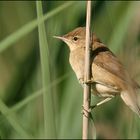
x=108, y=75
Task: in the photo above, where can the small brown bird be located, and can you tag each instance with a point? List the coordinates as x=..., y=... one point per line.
x=108, y=75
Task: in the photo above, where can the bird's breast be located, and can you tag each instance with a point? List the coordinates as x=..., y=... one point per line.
x=77, y=62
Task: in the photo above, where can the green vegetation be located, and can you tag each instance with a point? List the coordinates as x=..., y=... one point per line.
x=40, y=96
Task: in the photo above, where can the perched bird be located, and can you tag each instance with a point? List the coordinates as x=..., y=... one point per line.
x=109, y=78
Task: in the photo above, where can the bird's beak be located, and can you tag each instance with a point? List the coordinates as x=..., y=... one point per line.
x=61, y=38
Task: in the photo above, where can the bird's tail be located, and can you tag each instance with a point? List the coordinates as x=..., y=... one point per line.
x=130, y=98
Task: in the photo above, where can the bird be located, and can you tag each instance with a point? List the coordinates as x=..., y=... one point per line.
x=109, y=77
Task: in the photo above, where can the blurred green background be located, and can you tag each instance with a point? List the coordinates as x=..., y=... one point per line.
x=41, y=98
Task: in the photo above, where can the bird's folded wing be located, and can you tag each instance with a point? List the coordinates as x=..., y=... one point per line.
x=108, y=64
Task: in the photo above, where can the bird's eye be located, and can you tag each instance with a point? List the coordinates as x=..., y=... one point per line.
x=75, y=38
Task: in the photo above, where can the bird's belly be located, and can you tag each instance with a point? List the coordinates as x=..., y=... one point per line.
x=104, y=91
x=77, y=63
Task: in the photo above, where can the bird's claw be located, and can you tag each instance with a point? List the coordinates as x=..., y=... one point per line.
x=87, y=111
x=81, y=80
x=88, y=82
x=83, y=113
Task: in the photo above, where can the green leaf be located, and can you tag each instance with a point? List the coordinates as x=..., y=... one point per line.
x=121, y=28
x=12, y=119
x=49, y=118
x=14, y=37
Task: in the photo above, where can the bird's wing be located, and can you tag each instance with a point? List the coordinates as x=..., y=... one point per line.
x=109, y=62
x=104, y=59
x=135, y=84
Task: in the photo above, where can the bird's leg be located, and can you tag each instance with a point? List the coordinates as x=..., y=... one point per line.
x=81, y=81
x=83, y=112
x=89, y=81
x=93, y=106
x=98, y=104
x=90, y=115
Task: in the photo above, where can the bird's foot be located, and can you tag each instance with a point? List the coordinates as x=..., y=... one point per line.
x=85, y=111
x=81, y=80
x=89, y=81
x=88, y=110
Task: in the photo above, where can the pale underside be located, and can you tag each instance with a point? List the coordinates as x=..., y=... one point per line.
x=108, y=74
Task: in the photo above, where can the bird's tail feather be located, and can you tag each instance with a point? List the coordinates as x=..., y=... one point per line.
x=130, y=98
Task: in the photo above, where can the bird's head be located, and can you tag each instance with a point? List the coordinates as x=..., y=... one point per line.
x=76, y=38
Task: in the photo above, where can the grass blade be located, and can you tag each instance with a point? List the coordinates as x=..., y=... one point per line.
x=13, y=121
x=119, y=33
x=49, y=119
x=14, y=37
x=31, y=97
x=35, y=95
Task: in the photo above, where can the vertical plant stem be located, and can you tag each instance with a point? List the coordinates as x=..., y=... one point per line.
x=87, y=87
x=49, y=119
